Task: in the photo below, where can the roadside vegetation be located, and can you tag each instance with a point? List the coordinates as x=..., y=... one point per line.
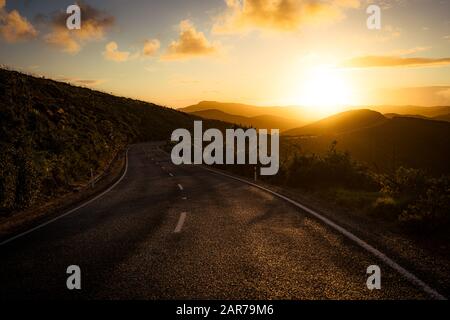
x=412, y=199
x=52, y=134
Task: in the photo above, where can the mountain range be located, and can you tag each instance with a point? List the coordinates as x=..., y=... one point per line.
x=292, y=118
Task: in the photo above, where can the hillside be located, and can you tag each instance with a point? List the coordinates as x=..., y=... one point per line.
x=444, y=117
x=394, y=115
x=429, y=112
x=53, y=134
x=401, y=141
x=244, y=110
x=340, y=123
x=259, y=122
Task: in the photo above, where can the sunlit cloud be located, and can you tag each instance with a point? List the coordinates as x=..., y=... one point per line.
x=388, y=33
x=445, y=94
x=112, y=53
x=191, y=43
x=94, y=27
x=81, y=82
x=422, y=96
x=405, y=52
x=13, y=26
x=386, y=4
x=151, y=47
x=392, y=61
x=281, y=15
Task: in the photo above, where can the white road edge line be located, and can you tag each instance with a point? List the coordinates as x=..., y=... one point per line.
x=180, y=187
x=180, y=222
x=394, y=265
x=73, y=210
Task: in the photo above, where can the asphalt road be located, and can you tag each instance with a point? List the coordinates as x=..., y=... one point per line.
x=168, y=232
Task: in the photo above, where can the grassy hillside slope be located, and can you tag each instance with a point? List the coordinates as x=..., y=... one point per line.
x=52, y=134
x=339, y=123
x=294, y=113
x=258, y=122
x=384, y=145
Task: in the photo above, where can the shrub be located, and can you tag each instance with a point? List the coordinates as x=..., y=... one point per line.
x=385, y=207
x=334, y=169
x=430, y=211
x=8, y=177
x=28, y=180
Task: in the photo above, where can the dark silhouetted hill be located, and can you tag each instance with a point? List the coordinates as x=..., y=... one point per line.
x=293, y=113
x=259, y=122
x=389, y=144
x=445, y=117
x=340, y=123
x=429, y=112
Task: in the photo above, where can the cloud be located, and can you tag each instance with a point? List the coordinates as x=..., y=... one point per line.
x=112, y=53
x=191, y=43
x=421, y=96
x=445, y=94
x=151, y=47
x=81, y=82
x=405, y=52
x=14, y=27
x=281, y=15
x=388, y=33
x=393, y=61
x=386, y=4
x=94, y=26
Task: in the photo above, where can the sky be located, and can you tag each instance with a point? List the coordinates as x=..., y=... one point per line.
x=175, y=53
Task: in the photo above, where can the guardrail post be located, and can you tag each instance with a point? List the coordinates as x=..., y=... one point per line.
x=92, y=178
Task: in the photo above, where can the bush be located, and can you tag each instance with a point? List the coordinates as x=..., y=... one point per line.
x=333, y=170
x=405, y=182
x=422, y=201
x=28, y=180
x=8, y=179
x=430, y=211
x=385, y=207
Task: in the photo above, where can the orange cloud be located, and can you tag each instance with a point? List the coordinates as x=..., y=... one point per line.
x=14, y=27
x=281, y=15
x=151, y=47
x=93, y=27
x=112, y=53
x=191, y=43
x=393, y=61
x=445, y=94
x=405, y=52
x=81, y=82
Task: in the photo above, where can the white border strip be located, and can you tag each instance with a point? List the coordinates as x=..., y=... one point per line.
x=405, y=273
x=73, y=210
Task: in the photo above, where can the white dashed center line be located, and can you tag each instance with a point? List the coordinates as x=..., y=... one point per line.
x=180, y=222
x=180, y=187
x=170, y=174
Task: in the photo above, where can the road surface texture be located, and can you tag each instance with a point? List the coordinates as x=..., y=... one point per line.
x=168, y=232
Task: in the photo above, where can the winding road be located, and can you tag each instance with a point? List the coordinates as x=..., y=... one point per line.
x=182, y=232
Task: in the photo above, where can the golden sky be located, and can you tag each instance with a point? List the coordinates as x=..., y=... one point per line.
x=316, y=53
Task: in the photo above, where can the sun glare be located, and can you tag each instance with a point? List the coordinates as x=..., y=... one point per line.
x=325, y=90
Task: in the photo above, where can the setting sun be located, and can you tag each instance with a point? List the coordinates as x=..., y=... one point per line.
x=326, y=90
